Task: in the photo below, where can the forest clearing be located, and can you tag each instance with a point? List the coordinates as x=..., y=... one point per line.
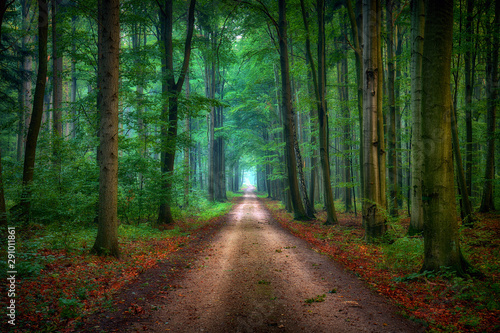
x=170, y=164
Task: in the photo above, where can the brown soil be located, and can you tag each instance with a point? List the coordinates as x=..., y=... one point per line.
x=251, y=276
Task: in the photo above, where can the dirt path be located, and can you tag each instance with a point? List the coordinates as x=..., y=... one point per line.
x=255, y=277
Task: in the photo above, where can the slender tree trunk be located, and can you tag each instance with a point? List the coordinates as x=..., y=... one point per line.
x=468, y=218
x=26, y=75
x=288, y=117
x=417, y=40
x=441, y=239
x=391, y=135
x=106, y=242
x=469, y=79
x=172, y=89
x=74, y=81
x=37, y=114
x=57, y=92
x=487, y=199
x=187, y=167
x=373, y=196
x=331, y=214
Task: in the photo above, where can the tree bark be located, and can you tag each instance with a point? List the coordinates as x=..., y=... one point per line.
x=57, y=90
x=391, y=135
x=26, y=75
x=373, y=196
x=37, y=113
x=417, y=45
x=331, y=216
x=288, y=117
x=487, y=199
x=171, y=89
x=106, y=242
x=469, y=79
x=441, y=239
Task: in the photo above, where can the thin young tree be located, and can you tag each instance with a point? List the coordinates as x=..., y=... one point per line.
x=441, y=239
x=171, y=90
x=36, y=115
x=106, y=242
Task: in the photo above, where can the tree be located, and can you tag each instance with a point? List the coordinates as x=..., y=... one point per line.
x=417, y=46
x=36, y=115
x=288, y=116
x=57, y=86
x=374, y=166
x=106, y=241
x=441, y=241
x=487, y=203
x=391, y=135
x=171, y=90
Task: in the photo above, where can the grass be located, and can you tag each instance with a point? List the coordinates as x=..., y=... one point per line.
x=442, y=302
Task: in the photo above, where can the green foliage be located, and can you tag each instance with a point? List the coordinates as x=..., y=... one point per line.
x=405, y=254
x=70, y=308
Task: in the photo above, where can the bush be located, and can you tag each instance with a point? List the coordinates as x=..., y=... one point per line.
x=405, y=254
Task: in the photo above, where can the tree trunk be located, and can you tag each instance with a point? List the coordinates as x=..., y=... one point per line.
x=331, y=214
x=373, y=202
x=469, y=79
x=187, y=167
x=37, y=114
x=391, y=135
x=417, y=40
x=487, y=202
x=26, y=86
x=288, y=117
x=441, y=239
x=57, y=90
x=106, y=242
x=172, y=90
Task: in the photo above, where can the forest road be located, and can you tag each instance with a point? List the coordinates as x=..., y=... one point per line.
x=254, y=276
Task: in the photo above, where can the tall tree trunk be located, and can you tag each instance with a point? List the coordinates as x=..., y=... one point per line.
x=26, y=75
x=343, y=83
x=391, y=135
x=187, y=167
x=106, y=242
x=373, y=196
x=417, y=46
x=57, y=90
x=469, y=79
x=487, y=202
x=288, y=117
x=331, y=214
x=356, y=38
x=441, y=239
x=172, y=89
x=74, y=81
x=37, y=113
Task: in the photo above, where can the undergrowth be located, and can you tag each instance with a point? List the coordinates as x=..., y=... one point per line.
x=441, y=301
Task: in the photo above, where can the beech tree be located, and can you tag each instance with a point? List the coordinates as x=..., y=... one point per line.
x=441, y=241
x=106, y=241
x=374, y=165
x=36, y=115
x=417, y=46
x=171, y=90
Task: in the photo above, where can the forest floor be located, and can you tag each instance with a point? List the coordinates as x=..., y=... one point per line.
x=251, y=276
